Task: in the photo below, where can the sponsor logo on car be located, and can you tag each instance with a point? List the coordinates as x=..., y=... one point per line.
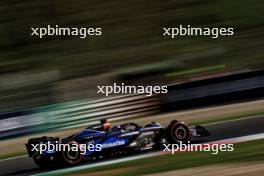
x=113, y=144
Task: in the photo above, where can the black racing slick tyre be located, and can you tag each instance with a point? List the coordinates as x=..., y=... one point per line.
x=178, y=132
x=72, y=157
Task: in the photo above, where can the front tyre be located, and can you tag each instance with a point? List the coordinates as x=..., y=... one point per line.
x=178, y=132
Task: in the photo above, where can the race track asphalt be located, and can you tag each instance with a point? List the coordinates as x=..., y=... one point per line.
x=224, y=130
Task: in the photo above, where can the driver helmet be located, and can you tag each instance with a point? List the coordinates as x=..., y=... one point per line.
x=106, y=124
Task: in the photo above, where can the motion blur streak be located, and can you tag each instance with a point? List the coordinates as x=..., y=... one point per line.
x=37, y=72
x=49, y=84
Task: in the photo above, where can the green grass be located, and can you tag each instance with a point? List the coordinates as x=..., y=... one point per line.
x=244, y=152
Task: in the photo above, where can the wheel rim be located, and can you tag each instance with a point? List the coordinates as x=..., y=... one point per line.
x=180, y=132
x=72, y=155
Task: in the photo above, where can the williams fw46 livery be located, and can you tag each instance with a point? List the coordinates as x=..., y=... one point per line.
x=103, y=141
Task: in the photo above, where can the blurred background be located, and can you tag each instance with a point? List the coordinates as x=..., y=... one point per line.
x=57, y=69
x=50, y=83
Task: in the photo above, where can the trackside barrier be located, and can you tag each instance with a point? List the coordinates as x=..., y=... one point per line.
x=79, y=113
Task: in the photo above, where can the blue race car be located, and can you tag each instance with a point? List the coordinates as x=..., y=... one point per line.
x=102, y=141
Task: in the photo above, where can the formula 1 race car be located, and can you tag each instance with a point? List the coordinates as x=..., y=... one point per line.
x=120, y=139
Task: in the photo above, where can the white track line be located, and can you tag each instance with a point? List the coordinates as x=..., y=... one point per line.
x=234, y=120
x=251, y=137
x=16, y=157
x=84, y=167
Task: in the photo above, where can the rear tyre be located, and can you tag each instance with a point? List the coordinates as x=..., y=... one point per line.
x=178, y=132
x=72, y=156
